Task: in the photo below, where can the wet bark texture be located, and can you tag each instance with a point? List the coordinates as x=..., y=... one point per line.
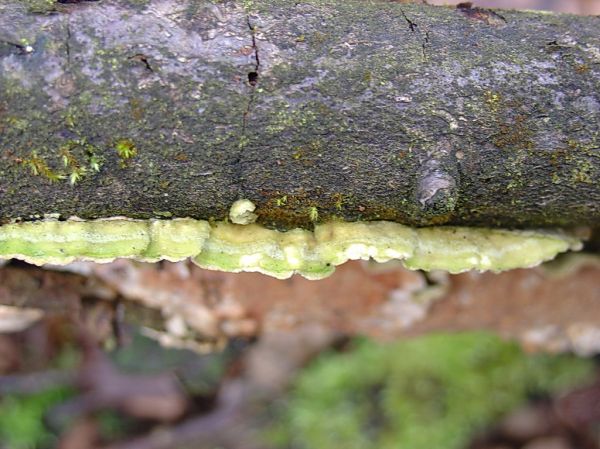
x=313, y=110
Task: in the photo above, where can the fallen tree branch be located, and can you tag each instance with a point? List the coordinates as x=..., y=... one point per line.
x=312, y=110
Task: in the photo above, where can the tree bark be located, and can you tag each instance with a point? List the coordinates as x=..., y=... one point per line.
x=312, y=110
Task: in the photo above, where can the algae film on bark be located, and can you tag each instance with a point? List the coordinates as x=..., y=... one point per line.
x=354, y=110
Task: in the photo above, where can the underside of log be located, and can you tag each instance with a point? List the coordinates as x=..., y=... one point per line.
x=312, y=110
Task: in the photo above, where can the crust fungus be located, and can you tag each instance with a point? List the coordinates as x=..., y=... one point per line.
x=313, y=254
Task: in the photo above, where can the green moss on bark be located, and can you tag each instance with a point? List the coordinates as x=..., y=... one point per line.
x=412, y=113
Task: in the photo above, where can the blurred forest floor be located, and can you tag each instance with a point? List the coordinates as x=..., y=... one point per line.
x=147, y=356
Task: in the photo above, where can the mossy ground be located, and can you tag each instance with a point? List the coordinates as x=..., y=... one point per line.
x=21, y=418
x=432, y=392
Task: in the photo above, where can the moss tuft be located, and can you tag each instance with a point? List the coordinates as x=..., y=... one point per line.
x=21, y=418
x=126, y=150
x=434, y=392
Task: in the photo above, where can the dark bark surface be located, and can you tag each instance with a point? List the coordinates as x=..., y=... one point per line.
x=312, y=110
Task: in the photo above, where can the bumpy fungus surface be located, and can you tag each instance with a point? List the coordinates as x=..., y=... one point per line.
x=242, y=212
x=312, y=254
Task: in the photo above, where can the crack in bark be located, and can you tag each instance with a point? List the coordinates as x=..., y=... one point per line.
x=68, y=42
x=252, y=82
x=256, y=56
x=252, y=76
x=143, y=59
x=422, y=35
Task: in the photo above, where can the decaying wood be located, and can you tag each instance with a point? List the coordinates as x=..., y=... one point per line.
x=312, y=110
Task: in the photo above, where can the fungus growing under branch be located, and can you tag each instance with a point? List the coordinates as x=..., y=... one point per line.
x=237, y=247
